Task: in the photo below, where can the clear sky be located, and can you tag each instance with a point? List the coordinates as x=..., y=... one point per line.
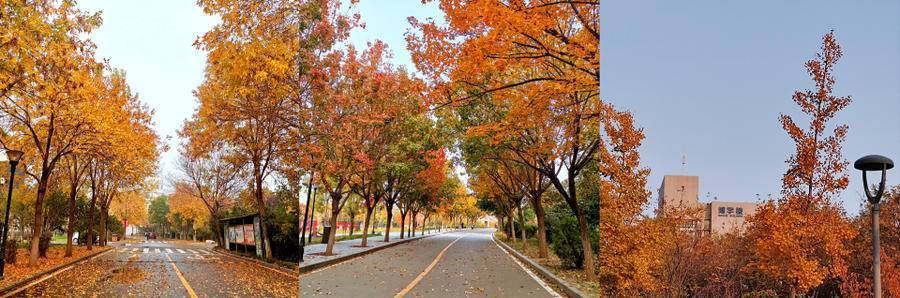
x=708, y=79
x=153, y=42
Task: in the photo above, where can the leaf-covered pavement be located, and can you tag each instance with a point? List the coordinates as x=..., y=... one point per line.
x=138, y=274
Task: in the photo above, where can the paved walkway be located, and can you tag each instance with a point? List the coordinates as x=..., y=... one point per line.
x=462, y=263
x=311, y=254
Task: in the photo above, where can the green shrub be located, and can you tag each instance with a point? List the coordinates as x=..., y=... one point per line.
x=531, y=230
x=565, y=239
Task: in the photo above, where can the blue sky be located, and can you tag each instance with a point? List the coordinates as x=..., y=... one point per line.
x=708, y=79
x=705, y=79
x=153, y=42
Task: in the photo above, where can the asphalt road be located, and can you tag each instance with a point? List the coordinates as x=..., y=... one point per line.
x=457, y=264
x=165, y=269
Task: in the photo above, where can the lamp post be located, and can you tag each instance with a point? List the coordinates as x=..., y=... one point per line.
x=875, y=163
x=13, y=156
x=312, y=216
x=305, y=217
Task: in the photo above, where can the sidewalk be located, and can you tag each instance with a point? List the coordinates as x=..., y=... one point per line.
x=312, y=257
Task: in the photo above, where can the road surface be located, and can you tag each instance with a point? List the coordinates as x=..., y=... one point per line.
x=464, y=263
x=159, y=268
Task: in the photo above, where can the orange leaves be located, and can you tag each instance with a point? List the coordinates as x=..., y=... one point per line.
x=549, y=46
x=801, y=240
x=188, y=206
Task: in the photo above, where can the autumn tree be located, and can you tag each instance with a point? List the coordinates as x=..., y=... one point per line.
x=536, y=61
x=263, y=60
x=190, y=209
x=50, y=102
x=800, y=240
x=131, y=207
x=207, y=175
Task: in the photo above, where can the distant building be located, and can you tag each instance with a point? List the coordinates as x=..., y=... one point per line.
x=679, y=192
x=488, y=221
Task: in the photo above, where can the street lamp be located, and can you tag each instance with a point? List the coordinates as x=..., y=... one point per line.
x=875, y=163
x=305, y=217
x=13, y=156
x=312, y=215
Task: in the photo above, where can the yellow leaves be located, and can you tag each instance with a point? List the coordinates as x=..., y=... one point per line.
x=131, y=206
x=188, y=206
x=59, y=87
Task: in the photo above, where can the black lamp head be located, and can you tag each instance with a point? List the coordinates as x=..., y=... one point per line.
x=14, y=155
x=874, y=163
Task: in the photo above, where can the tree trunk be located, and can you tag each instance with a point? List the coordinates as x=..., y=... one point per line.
x=335, y=212
x=217, y=231
x=522, y=226
x=70, y=227
x=402, y=223
x=586, y=246
x=414, y=226
x=351, y=226
x=38, y=218
x=91, y=220
x=104, y=217
x=333, y=220
x=261, y=207
x=424, y=223
x=365, y=230
x=512, y=227
x=387, y=224
x=543, y=251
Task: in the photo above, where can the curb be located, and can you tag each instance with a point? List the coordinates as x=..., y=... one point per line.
x=24, y=283
x=570, y=290
x=310, y=268
x=275, y=267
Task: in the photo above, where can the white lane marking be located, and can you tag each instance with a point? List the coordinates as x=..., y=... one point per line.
x=533, y=276
x=156, y=250
x=179, y=250
x=191, y=250
x=146, y=250
x=168, y=250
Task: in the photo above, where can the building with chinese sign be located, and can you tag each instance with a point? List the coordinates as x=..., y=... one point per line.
x=679, y=192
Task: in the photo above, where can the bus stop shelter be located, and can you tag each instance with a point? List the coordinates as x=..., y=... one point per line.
x=243, y=234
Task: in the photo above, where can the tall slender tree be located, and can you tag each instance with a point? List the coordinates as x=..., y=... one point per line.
x=800, y=240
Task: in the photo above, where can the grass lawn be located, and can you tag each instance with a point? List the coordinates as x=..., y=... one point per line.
x=574, y=277
x=58, y=239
